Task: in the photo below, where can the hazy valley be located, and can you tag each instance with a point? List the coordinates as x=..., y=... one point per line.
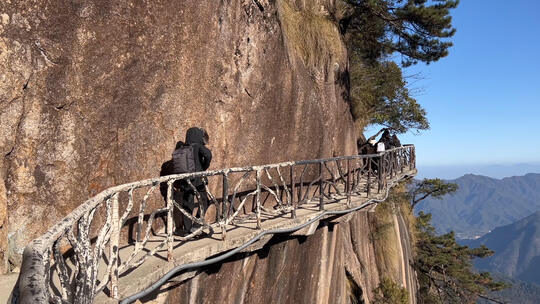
x=504, y=215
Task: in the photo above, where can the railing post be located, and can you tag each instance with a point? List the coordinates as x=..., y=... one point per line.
x=224, y=207
x=348, y=186
x=258, y=198
x=353, y=174
x=414, y=153
x=301, y=188
x=393, y=164
x=321, y=183
x=115, y=239
x=401, y=160
x=369, y=176
x=396, y=162
x=170, y=221
x=387, y=163
x=293, y=193
x=379, y=173
x=412, y=157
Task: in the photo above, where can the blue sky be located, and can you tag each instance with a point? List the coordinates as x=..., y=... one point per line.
x=483, y=100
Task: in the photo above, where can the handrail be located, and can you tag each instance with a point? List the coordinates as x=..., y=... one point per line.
x=88, y=238
x=214, y=260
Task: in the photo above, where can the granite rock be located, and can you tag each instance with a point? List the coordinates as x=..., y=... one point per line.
x=96, y=93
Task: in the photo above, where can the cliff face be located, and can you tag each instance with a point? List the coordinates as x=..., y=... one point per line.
x=96, y=93
x=342, y=262
x=336, y=263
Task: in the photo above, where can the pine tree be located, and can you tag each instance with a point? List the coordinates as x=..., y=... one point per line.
x=417, y=30
x=444, y=268
x=434, y=187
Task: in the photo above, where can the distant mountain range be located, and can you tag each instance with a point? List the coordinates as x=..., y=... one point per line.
x=509, y=209
x=483, y=203
x=517, y=249
x=491, y=170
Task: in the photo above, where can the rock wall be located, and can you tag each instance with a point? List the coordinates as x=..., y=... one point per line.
x=342, y=262
x=96, y=93
x=335, y=265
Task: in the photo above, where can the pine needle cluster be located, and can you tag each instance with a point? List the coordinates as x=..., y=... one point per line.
x=375, y=31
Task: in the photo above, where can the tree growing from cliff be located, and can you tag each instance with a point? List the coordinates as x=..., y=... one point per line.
x=379, y=95
x=419, y=30
x=434, y=187
x=415, y=30
x=444, y=268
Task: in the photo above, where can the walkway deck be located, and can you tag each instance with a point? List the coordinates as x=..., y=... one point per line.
x=81, y=259
x=197, y=250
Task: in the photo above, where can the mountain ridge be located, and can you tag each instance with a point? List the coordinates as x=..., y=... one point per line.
x=483, y=203
x=517, y=249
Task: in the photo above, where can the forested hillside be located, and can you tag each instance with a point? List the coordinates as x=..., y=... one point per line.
x=517, y=249
x=520, y=292
x=482, y=203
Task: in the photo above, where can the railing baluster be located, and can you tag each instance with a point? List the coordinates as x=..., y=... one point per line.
x=278, y=194
x=224, y=208
x=300, y=191
x=412, y=157
x=293, y=193
x=348, y=186
x=369, y=177
x=114, y=243
x=394, y=163
x=401, y=161
x=258, y=199
x=353, y=175
x=379, y=172
x=391, y=164
x=62, y=271
x=170, y=221
x=43, y=270
x=321, y=183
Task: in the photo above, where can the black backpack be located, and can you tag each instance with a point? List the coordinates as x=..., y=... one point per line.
x=183, y=160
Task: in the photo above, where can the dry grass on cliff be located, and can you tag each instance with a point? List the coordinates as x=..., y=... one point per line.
x=310, y=33
x=385, y=235
x=410, y=220
x=400, y=199
x=386, y=242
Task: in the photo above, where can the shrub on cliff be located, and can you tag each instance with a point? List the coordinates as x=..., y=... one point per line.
x=389, y=292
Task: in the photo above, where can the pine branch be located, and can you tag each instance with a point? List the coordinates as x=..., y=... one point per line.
x=490, y=299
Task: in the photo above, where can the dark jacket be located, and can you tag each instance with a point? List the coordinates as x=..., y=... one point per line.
x=390, y=141
x=365, y=148
x=203, y=155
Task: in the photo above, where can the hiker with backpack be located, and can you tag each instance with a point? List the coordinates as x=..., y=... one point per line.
x=191, y=156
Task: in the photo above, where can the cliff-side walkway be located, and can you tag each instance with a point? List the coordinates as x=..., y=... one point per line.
x=120, y=242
